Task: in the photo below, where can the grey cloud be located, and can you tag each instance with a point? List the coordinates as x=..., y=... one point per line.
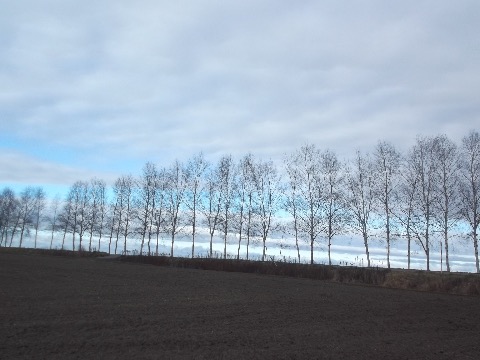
x=18, y=168
x=162, y=80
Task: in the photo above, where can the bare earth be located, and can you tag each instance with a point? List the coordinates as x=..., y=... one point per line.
x=54, y=307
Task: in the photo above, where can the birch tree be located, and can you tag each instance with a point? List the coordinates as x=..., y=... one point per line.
x=53, y=218
x=158, y=218
x=469, y=188
x=334, y=201
x=386, y=167
x=65, y=217
x=146, y=202
x=95, y=210
x=195, y=172
x=38, y=208
x=8, y=208
x=244, y=201
x=26, y=211
x=175, y=196
x=100, y=190
x=292, y=197
x=268, y=192
x=446, y=207
x=212, y=205
x=422, y=158
x=404, y=210
x=309, y=207
x=360, y=185
x=123, y=190
x=112, y=220
x=227, y=186
x=81, y=205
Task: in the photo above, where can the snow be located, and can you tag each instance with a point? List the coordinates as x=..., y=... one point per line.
x=345, y=250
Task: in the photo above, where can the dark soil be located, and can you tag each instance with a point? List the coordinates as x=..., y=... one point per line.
x=54, y=307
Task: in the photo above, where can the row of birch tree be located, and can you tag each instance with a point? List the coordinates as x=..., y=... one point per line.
x=428, y=195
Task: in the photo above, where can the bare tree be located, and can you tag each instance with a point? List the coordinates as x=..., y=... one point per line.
x=404, y=210
x=81, y=200
x=195, y=172
x=227, y=179
x=123, y=190
x=422, y=158
x=311, y=197
x=77, y=198
x=211, y=206
x=8, y=208
x=27, y=208
x=446, y=207
x=147, y=189
x=386, y=168
x=292, y=197
x=268, y=192
x=360, y=185
x=243, y=200
x=113, y=221
x=176, y=186
x=470, y=188
x=66, y=217
x=334, y=203
x=53, y=218
x=158, y=218
x=95, y=211
x=101, y=195
x=38, y=208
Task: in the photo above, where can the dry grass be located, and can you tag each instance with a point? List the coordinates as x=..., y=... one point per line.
x=452, y=283
x=53, y=252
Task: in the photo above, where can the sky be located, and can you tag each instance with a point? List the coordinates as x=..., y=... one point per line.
x=98, y=88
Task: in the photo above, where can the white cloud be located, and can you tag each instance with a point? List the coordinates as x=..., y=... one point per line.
x=129, y=82
x=17, y=168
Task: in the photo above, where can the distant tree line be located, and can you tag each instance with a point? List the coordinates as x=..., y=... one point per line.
x=428, y=195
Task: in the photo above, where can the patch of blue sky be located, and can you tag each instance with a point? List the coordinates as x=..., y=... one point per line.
x=39, y=149
x=51, y=190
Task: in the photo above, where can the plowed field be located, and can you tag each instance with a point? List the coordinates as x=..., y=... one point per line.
x=54, y=307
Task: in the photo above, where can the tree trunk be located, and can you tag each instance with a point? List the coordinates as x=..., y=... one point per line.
x=211, y=244
x=427, y=253
x=445, y=238
x=264, y=248
x=329, y=251
x=311, y=251
x=193, y=239
x=249, y=223
x=149, y=234
x=240, y=232
x=388, y=238
x=365, y=241
x=475, y=245
x=408, y=249
x=158, y=235
x=90, y=242
x=225, y=235
x=111, y=235
x=100, y=232
x=21, y=236
x=296, y=241
x=53, y=228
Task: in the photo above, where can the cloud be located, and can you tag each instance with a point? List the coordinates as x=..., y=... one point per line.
x=119, y=83
x=16, y=168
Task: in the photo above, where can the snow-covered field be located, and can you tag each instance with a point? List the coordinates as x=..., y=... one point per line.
x=346, y=250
